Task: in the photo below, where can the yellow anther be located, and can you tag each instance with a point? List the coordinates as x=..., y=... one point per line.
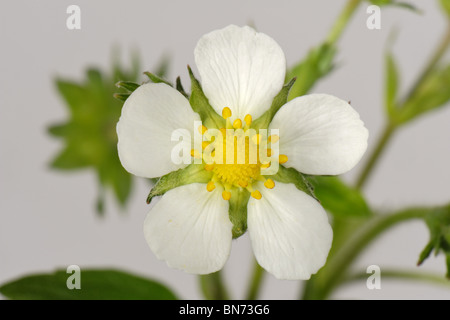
x=256, y=139
x=269, y=184
x=202, y=129
x=205, y=144
x=195, y=153
x=224, y=132
x=210, y=186
x=256, y=194
x=269, y=152
x=226, y=195
x=243, y=184
x=226, y=113
x=209, y=167
x=248, y=119
x=283, y=158
x=237, y=124
x=273, y=138
x=265, y=165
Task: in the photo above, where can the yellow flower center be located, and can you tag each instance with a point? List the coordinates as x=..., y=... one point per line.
x=237, y=156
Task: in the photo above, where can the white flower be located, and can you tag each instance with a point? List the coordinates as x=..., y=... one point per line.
x=241, y=73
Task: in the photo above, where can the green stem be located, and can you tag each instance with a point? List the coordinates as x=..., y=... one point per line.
x=256, y=281
x=404, y=275
x=336, y=268
x=213, y=287
x=342, y=21
x=378, y=151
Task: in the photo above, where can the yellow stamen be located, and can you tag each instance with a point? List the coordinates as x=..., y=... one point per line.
x=269, y=184
x=283, y=158
x=256, y=139
x=210, y=186
x=274, y=138
x=226, y=113
x=256, y=194
x=243, y=184
x=269, y=152
x=209, y=167
x=226, y=195
x=265, y=165
x=202, y=129
x=195, y=153
x=205, y=144
x=248, y=120
x=237, y=124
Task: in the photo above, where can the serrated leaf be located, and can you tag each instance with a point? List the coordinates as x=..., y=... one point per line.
x=95, y=285
x=338, y=198
x=438, y=223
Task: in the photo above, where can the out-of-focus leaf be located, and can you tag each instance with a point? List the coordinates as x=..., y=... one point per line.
x=434, y=93
x=95, y=285
x=338, y=198
x=318, y=63
x=391, y=89
x=395, y=3
x=438, y=222
x=445, y=6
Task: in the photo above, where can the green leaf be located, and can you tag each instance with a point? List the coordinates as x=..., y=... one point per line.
x=446, y=7
x=95, y=285
x=438, y=223
x=121, y=96
x=180, y=88
x=395, y=3
x=193, y=173
x=318, y=63
x=200, y=104
x=433, y=94
x=279, y=101
x=391, y=90
x=338, y=198
x=70, y=159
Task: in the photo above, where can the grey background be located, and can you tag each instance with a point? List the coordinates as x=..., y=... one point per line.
x=47, y=218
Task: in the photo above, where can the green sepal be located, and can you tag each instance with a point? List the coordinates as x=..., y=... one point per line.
x=180, y=88
x=121, y=96
x=279, y=101
x=318, y=63
x=156, y=79
x=238, y=211
x=290, y=175
x=200, y=104
x=193, y=173
x=127, y=85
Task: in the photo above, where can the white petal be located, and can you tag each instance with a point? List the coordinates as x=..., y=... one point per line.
x=149, y=117
x=320, y=134
x=289, y=231
x=240, y=69
x=189, y=228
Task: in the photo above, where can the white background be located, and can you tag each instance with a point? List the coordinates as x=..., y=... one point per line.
x=47, y=218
